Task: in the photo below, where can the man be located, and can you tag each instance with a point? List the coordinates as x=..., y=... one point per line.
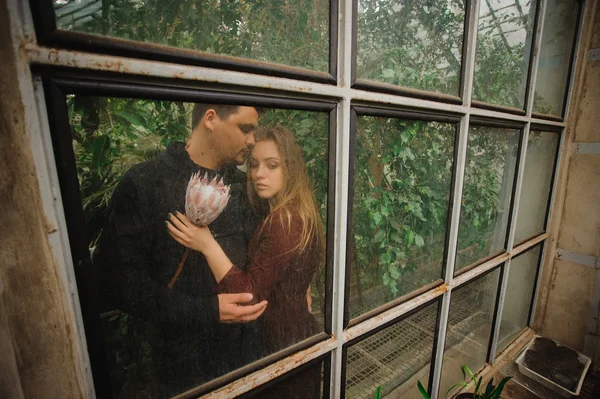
x=136, y=257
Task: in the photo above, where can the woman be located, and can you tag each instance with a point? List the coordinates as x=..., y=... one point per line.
x=284, y=252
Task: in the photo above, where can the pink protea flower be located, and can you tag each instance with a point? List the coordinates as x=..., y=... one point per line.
x=205, y=201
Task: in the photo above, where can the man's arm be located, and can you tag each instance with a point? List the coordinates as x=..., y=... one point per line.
x=231, y=310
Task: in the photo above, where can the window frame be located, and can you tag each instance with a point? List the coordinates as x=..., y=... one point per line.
x=371, y=85
x=502, y=124
x=48, y=34
x=400, y=114
x=571, y=64
x=555, y=163
x=39, y=55
x=494, y=351
x=528, y=80
x=57, y=84
x=495, y=315
x=389, y=323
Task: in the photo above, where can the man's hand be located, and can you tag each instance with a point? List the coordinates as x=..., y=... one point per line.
x=231, y=309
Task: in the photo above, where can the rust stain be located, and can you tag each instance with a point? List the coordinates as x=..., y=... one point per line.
x=441, y=289
x=307, y=89
x=273, y=371
x=50, y=227
x=27, y=43
x=53, y=55
x=115, y=66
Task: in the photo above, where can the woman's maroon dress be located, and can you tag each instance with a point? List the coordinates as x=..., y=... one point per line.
x=279, y=273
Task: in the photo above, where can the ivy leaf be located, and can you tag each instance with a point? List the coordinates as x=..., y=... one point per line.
x=396, y=238
x=384, y=211
x=395, y=224
x=405, y=136
x=379, y=236
x=410, y=237
x=394, y=271
x=388, y=73
x=406, y=153
x=377, y=218
x=385, y=258
x=419, y=240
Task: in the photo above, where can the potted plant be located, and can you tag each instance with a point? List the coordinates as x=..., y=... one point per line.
x=491, y=391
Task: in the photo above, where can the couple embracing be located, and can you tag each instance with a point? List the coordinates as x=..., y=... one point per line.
x=242, y=291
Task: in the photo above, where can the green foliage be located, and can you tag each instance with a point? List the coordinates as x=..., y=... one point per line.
x=502, y=56
x=491, y=391
x=500, y=74
x=311, y=132
x=401, y=202
x=112, y=134
x=413, y=44
x=491, y=162
x=401, y=193
x=255, y=29
x=423, y=390
x=377, y=393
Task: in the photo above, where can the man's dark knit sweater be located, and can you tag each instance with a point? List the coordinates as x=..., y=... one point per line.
x=136, y=259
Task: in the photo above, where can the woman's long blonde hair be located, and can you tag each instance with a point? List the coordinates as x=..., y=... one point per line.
x=297, y=192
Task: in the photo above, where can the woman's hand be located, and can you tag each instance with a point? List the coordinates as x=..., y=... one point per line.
x=188, y=234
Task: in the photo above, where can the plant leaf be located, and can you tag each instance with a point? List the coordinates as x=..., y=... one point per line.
x=478, y=385
x=377, y=393
x=423, y=390
x=500, y=388
x=489, y=388
x=467, y=370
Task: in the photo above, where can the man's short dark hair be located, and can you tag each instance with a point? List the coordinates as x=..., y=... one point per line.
x=222, y=110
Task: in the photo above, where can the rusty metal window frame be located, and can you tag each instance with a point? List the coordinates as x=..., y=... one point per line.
x=49, y=35
x=370, y=85
x=403, y=114
x=58, y=84
x=295, y=86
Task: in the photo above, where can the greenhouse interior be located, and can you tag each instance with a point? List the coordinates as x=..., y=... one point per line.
x=300, y=199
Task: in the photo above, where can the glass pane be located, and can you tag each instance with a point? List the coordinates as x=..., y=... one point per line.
x=306, y=382
x=504, y=40
x=537, y=181
x=395, y=358
x=253, y=29
x=159, y=305
x=558, y=39
x=411, y=43
x=519, y=293
x=489, y=176
x=401, y=188
x=469, y=328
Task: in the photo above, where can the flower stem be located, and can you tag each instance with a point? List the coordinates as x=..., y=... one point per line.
x=179, y=268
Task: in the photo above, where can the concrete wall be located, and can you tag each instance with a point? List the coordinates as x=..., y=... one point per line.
x=38, y=356
x=568, y=303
